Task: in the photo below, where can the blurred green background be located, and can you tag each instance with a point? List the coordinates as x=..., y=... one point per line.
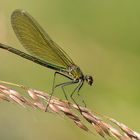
x=102, y=37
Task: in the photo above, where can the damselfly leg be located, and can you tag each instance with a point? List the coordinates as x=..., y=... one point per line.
x=62, y=85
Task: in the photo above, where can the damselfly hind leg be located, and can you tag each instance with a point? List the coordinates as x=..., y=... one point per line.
x=59, y=85
x=51, y=92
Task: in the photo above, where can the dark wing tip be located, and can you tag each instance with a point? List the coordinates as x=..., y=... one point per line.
x=16, y=15
x=18, y=12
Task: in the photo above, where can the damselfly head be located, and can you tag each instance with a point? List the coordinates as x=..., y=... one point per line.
x=89, y=79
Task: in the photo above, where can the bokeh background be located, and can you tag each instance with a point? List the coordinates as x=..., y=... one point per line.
x=102, y=37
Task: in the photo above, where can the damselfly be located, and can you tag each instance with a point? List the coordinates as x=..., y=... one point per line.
x=45, y=51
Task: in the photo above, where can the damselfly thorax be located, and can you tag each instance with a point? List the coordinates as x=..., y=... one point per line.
x=75, y=72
